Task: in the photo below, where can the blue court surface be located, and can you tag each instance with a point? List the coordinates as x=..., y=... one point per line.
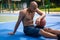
x=53, y=21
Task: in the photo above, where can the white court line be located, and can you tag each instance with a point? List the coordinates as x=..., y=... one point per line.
x=7, y=22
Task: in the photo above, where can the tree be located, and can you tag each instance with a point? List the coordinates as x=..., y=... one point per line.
x=57, y=2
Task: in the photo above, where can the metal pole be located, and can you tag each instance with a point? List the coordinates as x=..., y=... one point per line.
x=48, y=5
x=43, y=2
x=2, y=6
x=44, y=5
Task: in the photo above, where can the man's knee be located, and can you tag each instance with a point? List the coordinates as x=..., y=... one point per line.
x=41, y=31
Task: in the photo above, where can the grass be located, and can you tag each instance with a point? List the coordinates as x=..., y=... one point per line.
x=8, y=18
x=52, y=9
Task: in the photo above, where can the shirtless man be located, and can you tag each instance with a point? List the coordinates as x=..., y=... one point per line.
x=26, y=16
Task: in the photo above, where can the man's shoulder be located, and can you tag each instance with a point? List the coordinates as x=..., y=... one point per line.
x=23, y=10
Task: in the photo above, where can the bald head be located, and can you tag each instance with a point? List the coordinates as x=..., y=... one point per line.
x=33, y=6
x=33, y=3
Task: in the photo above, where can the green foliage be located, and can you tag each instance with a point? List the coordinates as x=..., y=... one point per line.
x=52, y=9
x=52, y=5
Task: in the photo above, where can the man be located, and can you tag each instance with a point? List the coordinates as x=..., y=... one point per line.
x=26, y=16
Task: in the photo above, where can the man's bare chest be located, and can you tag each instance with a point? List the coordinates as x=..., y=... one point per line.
x=29, y=16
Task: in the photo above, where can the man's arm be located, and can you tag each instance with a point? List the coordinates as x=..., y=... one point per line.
x=18, y=22
x=42, y=16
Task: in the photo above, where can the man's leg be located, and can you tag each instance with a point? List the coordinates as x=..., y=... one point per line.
x=52, y=31
x=47, y=34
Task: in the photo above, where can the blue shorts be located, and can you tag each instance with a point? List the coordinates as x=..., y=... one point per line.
x=32, y=30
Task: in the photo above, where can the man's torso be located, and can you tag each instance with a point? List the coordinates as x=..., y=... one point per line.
x=28, y=18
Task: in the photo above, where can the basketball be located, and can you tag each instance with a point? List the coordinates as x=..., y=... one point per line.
x=42, y=23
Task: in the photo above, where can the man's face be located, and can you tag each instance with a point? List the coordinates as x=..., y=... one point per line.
x=33, y=8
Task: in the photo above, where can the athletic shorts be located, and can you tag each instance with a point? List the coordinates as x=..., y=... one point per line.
x=32, y=31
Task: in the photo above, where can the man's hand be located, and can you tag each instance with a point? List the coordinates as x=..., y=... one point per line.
x=38, y=21
x=11, y=33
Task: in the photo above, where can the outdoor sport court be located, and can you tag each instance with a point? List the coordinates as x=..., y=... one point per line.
x=8, y=21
